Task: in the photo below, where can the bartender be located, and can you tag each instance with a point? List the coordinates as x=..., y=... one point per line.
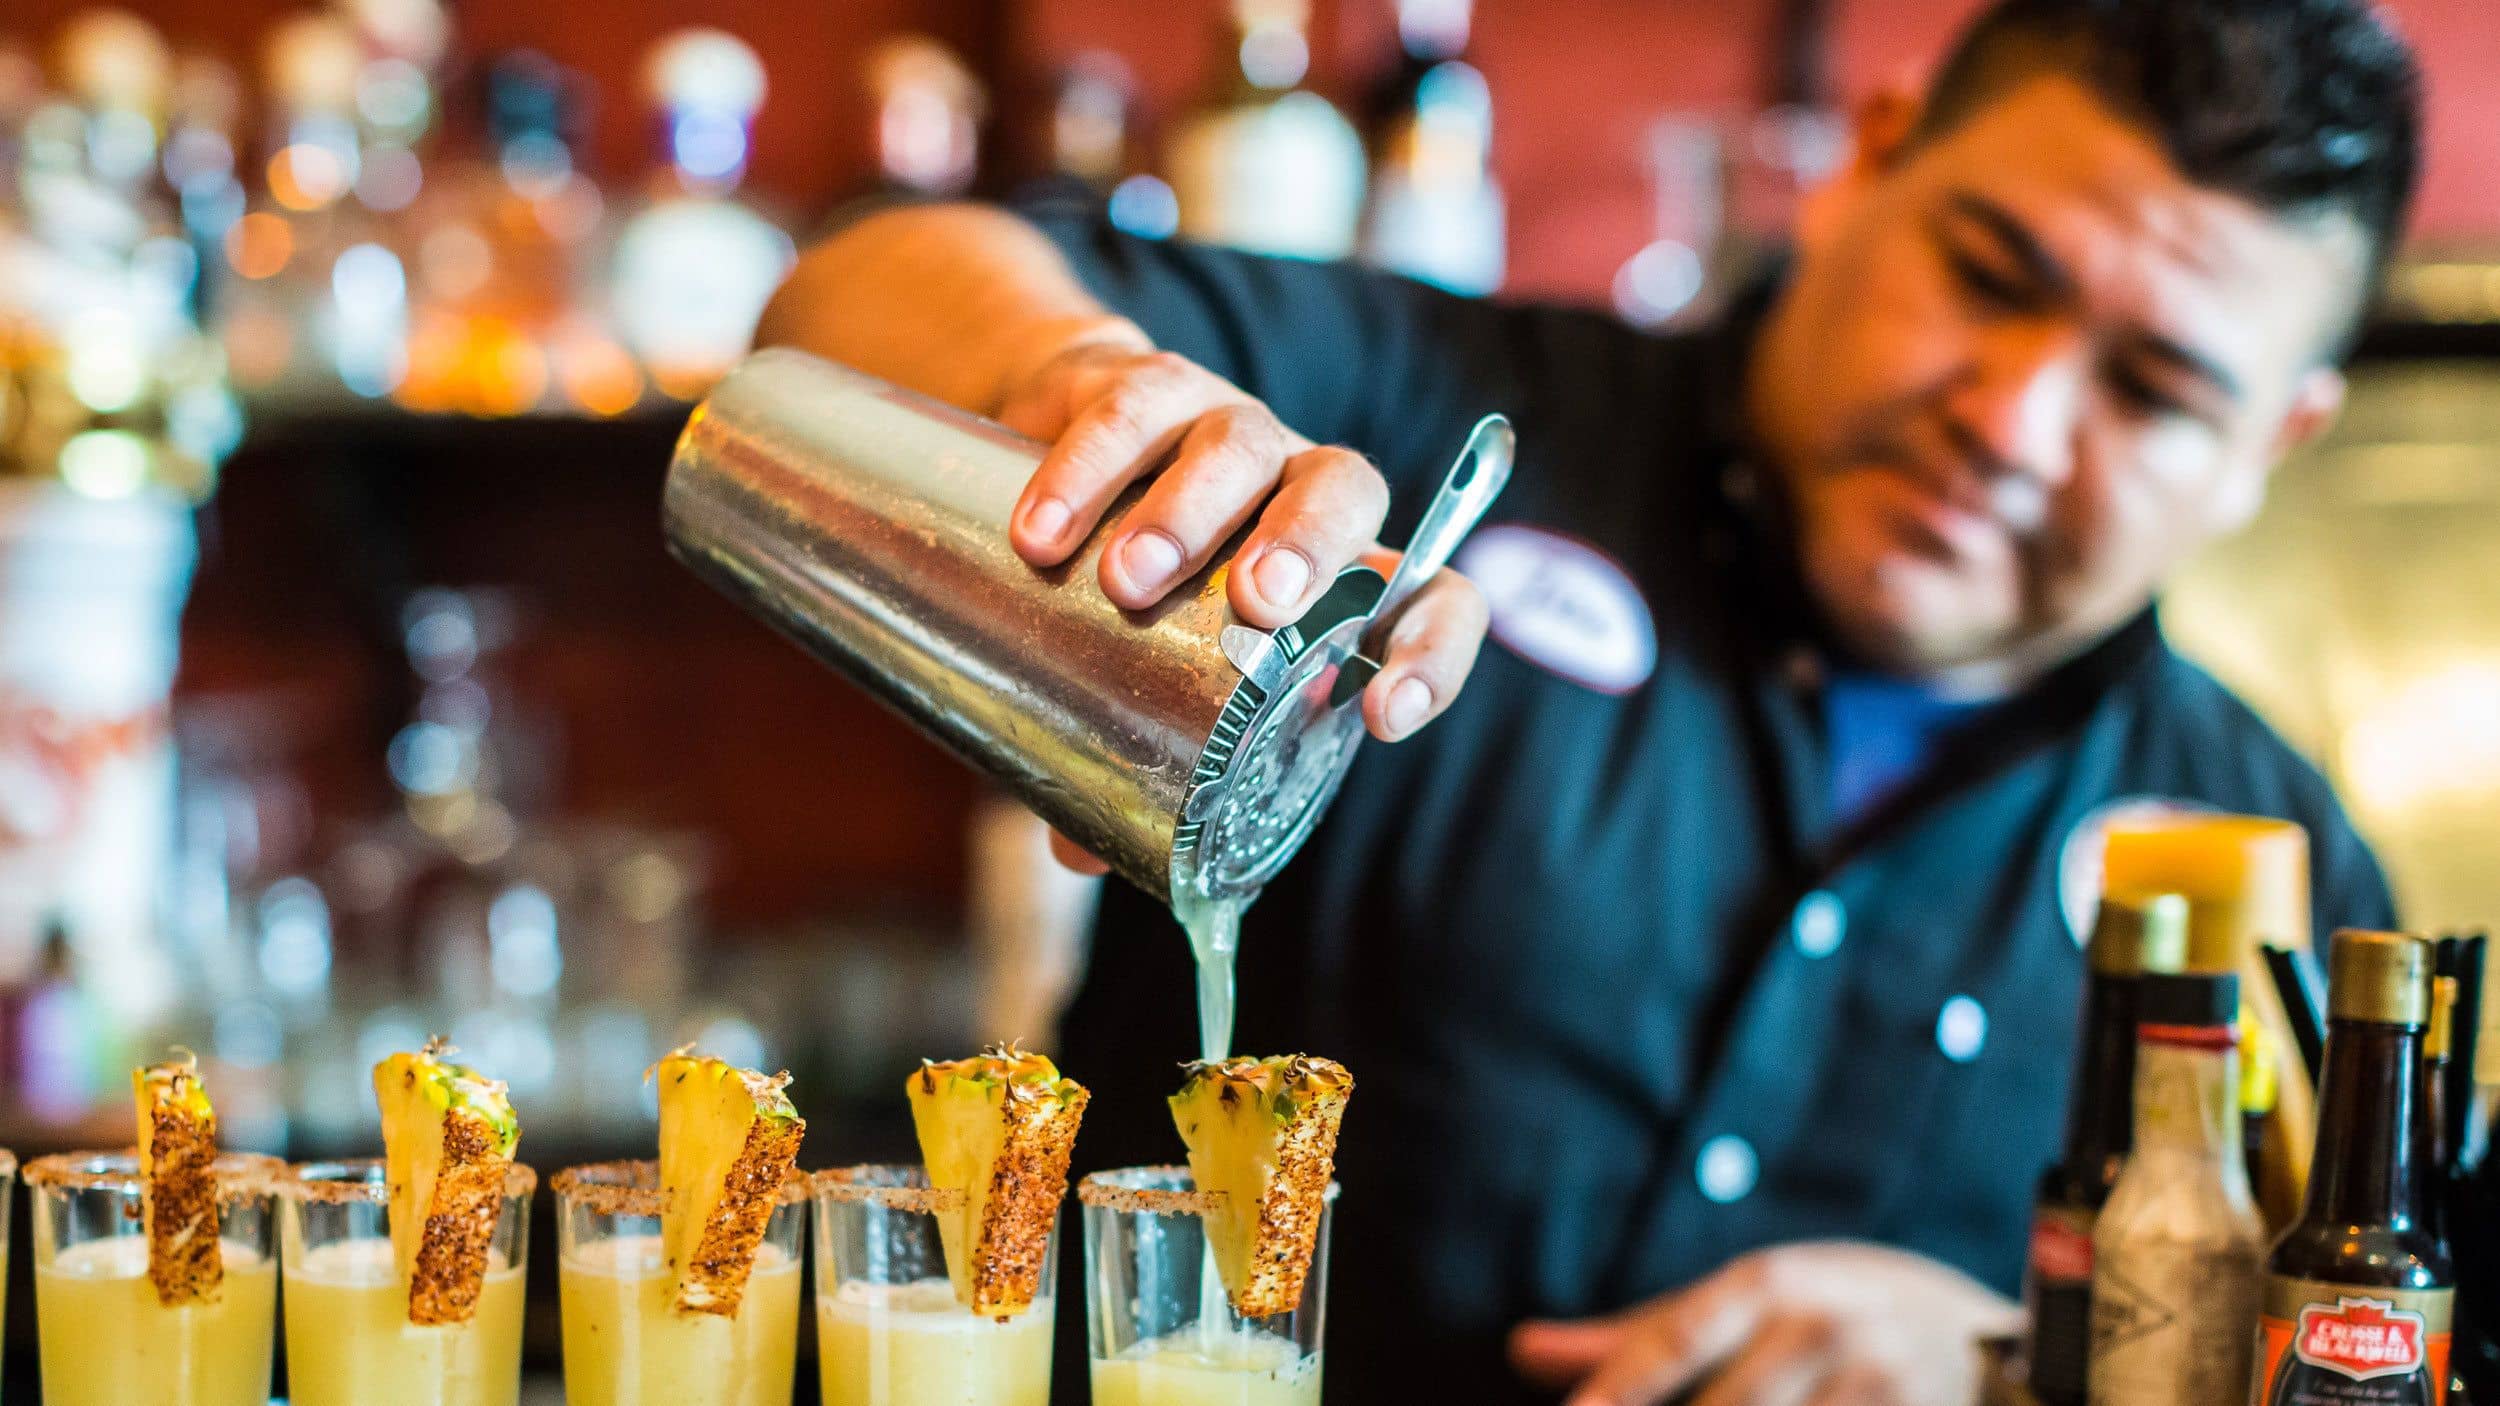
x=1709, y=965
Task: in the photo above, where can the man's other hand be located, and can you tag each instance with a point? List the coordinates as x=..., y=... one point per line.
x=1825, y=1323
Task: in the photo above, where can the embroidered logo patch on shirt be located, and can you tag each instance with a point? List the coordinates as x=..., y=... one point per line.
x=1563, y=606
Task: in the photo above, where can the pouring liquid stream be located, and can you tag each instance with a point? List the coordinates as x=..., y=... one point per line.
x=1214, y=929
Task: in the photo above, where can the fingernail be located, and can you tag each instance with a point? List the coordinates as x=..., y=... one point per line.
x=1150, y=560
x=1408, y=703
x=1046, y=519
x=1283, y=574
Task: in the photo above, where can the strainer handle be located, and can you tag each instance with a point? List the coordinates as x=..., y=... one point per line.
x=1483, y=468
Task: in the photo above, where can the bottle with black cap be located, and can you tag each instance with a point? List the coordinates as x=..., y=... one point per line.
x=2178, y=1254
x=2130, y=938
x=2359, y=1293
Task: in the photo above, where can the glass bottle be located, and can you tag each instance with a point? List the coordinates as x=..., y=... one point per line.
x=694, y=265
x=1261, y=163
x=2178, y=1251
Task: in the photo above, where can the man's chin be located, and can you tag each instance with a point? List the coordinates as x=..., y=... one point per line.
x=1909, y=615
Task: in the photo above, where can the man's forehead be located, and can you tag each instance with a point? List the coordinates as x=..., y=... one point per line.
x=2102, y=194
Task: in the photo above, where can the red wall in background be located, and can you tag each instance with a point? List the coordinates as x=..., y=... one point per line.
x=1575, y=80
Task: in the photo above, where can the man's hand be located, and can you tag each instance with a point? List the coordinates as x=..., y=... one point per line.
x=1115, y=411
x=1827, y=1323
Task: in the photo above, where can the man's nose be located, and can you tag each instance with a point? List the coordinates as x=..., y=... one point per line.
x=2014, y=407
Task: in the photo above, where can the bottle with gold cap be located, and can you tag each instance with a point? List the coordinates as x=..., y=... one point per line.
x=2360, y=1292
x=2130, y=938
x=2438, y=1050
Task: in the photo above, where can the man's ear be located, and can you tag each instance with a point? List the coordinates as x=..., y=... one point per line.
x=1879, y=134
x=2315, y=406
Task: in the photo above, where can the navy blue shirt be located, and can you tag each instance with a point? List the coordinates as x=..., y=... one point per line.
x=1626, y=989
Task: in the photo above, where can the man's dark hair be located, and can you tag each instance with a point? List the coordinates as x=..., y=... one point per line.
x=2301, y=107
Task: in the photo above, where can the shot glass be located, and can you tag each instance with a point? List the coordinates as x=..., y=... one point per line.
x=348, y=1338
x=889, y=1330
x=625, y=1343
x=1162, y=1332
x=102, y=1336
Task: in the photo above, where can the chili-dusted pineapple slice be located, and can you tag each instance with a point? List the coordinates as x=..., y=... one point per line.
x=448, y=1133
x=1263, y=1132
x=177, y=1150
x=728, y=1137
x=998, y=1127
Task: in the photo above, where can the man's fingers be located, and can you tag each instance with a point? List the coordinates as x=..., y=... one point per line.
x=1558, y=1354
x=1119, y=434
x=1327, y=513
x=1855, y=1386
x=1782, y=1366
x=1074, y=856
x=1432, y=646
x=1664, y=1355
x=1041, y=405
x=1228, y=463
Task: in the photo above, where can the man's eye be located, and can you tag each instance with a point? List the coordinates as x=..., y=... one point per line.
x=2139, y=392
x=1989, y=282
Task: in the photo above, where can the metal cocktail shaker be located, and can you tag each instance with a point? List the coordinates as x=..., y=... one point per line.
x=1190, y=751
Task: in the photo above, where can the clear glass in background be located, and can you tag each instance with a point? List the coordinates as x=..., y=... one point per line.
x=348, y=1338
x=103, y=1338
x=8, y=1203
x=889, y=1331
x=624, y=1342
x=1160, y=1328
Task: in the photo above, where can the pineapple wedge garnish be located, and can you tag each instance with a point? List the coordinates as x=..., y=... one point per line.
x=1263, y=1134
x=448, y=1134
x=177, y=1153
x=998, y=1127
x=728, y=1137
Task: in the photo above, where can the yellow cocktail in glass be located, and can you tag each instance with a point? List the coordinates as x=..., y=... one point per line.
x=1240, y=1368
x=1161, y=1328
x=348, y=1338
x=889, y=1328
x=103, y=1336
x=625, y=1341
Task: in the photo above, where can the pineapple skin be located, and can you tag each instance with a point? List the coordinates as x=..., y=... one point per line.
x=1030, y=1181
x=712, y=1273
x=1038, y=1113
x=714, y=1280
x=177, y=1153
x=456, y=1226
x=449, y=1275
x=1309, y=1106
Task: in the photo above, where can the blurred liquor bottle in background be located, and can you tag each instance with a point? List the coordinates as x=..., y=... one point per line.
x=501, y=320
x=116, y=67
x=694, y=266
x=318, y=298
x=1259, y=162
x=1677, y=278
x=928, y=111
x=204, y=117
x=1436, y=212
x=1098, y=155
